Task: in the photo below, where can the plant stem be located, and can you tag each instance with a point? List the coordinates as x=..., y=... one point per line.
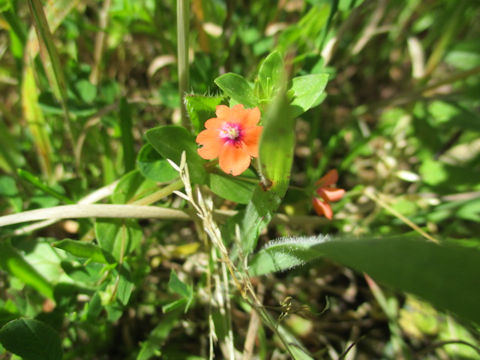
x=183, y=12
x=160, y=194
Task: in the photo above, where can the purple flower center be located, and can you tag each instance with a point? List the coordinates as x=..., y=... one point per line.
x=231, y=133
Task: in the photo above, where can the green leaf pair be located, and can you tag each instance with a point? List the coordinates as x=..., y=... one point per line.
x=305, y=91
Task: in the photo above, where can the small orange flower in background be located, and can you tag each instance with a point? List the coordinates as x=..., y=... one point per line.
x=327, y=193
x=232, y=136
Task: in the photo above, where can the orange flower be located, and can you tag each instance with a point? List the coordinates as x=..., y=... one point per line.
x=328, y=194
x=232, y=136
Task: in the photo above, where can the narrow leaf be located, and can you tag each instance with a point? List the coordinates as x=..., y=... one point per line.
x=50, y=57
x=13, y=263
x=127, y=136
x=84, y=250
x=35, y=120
x=446, y=274
x=35, y=181
x=277, y=145
x=276, y=157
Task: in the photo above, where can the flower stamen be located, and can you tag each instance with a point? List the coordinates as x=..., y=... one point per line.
x=230, y=131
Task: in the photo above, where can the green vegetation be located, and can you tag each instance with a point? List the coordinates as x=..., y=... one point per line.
x=119, y=239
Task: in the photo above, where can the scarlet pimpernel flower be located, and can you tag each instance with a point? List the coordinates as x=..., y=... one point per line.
x=232, y=136
x=328, y=194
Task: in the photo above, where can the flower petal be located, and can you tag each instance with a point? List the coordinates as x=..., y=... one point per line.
x=252, y=139
x=322, y=208
x=214, y=123
x=252, y=117
x=237, y=114
x=222, y=111
x=234, y=160
x=212, y=144
x=330, y=194
x=329, y=179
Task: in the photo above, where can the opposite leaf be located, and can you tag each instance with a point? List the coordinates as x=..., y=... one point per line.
x=236, y=87
x=308, y=92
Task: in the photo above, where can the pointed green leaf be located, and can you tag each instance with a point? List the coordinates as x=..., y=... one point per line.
x=307, y=92
x=270, y=77
x=236, y=87
x=445, y=274
x=84, y=250
x=125, y=286
x=179, y=287
x=35, y=181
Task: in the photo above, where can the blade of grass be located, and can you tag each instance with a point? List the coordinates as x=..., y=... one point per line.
x=127, y=137
x=446, y=38
x=10, y=157
x=35, y=181
x=183, y=12
x=108, y=166
x=100, y=42
x=51, y=62
x=56, y=11
x=36, y=121
x=370, y=193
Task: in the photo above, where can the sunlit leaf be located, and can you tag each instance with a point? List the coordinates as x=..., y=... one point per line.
x=236, y=87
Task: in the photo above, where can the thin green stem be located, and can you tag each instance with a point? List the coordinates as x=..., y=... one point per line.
x=160, y=194
x=183, y=12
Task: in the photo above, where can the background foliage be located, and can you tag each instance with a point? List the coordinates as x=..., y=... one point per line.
x=90, y=110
